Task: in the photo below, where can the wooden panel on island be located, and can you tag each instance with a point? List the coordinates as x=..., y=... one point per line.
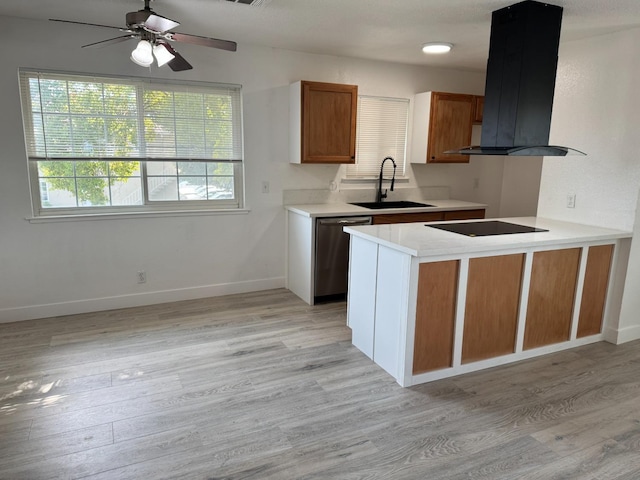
x=554, y=277
x=594, y=292
x=435, y=316
x=407, y=217
x=491, y=312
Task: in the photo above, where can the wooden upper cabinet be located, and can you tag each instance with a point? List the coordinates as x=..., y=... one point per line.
x=323, y=122
x=441, y=122
x=478, y=108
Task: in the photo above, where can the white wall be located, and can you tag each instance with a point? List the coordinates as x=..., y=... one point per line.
x=520, y=186
x=61, y=268
x=597, y=110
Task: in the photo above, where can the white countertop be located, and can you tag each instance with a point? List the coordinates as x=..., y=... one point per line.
x=346, y=209
x=421, y=241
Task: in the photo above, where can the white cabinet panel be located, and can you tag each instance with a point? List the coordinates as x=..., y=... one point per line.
x=391, y=310
x=362, y=293
x=300, y=243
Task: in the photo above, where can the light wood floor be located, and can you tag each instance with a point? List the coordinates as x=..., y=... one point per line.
x=262, y=386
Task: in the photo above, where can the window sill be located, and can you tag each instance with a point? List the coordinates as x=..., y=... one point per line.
x=130, y=215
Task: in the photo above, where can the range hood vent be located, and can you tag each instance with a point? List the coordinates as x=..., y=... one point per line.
x=521, y=75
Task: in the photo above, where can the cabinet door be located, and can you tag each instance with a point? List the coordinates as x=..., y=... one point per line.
x=478, y=109
x=450, y=123
x=329, y=122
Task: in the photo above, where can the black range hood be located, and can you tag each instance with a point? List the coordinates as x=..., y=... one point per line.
x=521, y=76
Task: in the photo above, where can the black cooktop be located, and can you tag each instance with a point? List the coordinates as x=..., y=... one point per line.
x=483, y=229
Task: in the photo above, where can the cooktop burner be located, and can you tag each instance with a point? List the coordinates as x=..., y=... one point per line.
x=483, y=229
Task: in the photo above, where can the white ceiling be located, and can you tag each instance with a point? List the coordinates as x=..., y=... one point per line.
x=389, y=30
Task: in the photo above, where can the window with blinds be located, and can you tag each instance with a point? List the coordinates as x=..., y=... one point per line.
x=112, y=143
x=381, y=132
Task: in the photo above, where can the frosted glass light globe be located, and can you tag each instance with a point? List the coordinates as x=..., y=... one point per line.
x=143, y=54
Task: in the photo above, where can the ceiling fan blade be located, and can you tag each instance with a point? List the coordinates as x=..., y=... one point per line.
x=90, y=24
x=110, y=41
x=178, y=64
x=159, y=24
x=203, y=41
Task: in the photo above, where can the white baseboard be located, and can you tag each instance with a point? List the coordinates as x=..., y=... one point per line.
x=73, y=307
x=618, y=336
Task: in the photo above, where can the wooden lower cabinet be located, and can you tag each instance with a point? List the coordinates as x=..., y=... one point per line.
x=407, y=218
x=435, y=316
x=390, y=218
x=464, y=214
x=554, y=277
x=594, y=291
x=491, y=311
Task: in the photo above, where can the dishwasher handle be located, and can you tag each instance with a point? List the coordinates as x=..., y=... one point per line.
x=345, y=222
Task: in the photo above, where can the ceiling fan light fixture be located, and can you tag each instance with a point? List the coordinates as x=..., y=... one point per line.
x=437, y=47
x=163, y=56
x=143, y=54
x=154, y=34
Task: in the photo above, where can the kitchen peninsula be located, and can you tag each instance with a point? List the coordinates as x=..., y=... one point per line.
x=426, y=303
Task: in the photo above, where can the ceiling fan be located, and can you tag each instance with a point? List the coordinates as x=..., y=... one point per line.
x=154, y=34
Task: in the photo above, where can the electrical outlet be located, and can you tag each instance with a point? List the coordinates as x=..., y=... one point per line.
x=265, y=186
x=476, y=183
x=571, y=200
x=142, y=276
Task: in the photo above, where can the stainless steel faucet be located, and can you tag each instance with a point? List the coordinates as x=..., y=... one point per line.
x=380, y=195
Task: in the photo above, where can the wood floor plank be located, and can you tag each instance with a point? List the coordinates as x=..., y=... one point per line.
x=51, y=405
x=28, y=451
x=87, y=462
x=240, y=407
x=14, y=431
x=263, y=386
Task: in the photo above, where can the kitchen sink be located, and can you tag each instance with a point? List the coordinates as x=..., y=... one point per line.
x=398, y=204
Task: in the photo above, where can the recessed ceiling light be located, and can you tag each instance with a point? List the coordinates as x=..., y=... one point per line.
x=437, y=47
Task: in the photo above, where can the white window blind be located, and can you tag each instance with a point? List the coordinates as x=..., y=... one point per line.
x=93, y=117
x=381, y=132
x=99, y=144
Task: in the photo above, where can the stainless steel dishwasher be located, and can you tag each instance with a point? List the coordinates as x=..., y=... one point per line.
x=332, y=254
